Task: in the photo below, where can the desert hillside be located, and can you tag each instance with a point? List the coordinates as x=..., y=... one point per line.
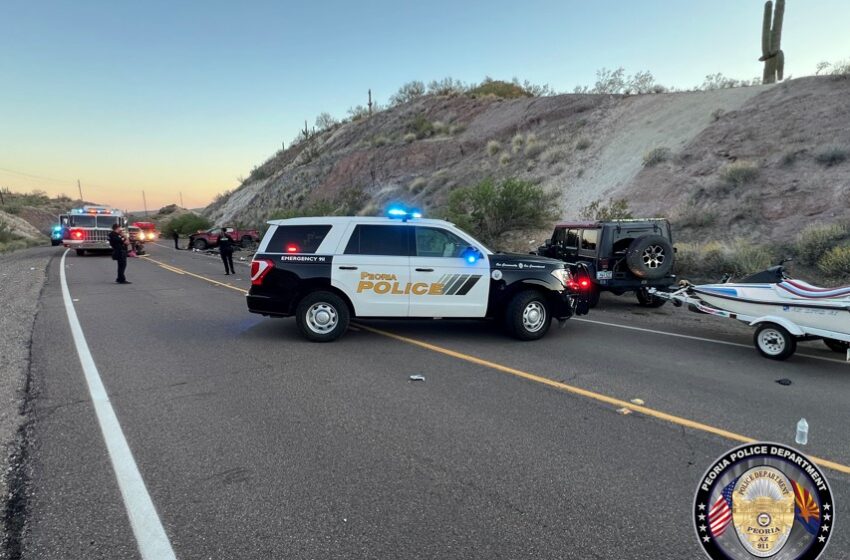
x=761, y=161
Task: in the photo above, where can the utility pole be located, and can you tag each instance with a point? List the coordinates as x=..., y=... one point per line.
x=181, y=200
x=370, y=101
x=145, y=203
x=79, y=188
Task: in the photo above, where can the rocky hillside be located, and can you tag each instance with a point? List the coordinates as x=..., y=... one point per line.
x=758, y=162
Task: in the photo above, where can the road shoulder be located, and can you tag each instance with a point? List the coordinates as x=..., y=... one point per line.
x=22, y=277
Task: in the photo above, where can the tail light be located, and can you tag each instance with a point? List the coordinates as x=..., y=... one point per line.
x=603, y=264
x=77, y=234
x=259, y=269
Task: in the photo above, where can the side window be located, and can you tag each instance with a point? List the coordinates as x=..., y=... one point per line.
x=436, y=242
x=559, y=237
x=588, y=239
x=572, y=239
x=215, y=232
x=379, y=240
x=297, y=239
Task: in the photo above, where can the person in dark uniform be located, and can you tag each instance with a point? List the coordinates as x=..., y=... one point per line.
x=119, y=252
x=225, y=247
x=176, y=237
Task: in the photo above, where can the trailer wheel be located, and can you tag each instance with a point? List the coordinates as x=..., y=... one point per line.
x=774, y=342
x=837, y=345
x=645, y=299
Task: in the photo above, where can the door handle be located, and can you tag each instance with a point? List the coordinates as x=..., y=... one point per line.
x=424, y=270
x=348, y=268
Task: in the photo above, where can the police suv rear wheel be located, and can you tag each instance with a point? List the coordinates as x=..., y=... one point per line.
x=322, y=316
x=527, y=316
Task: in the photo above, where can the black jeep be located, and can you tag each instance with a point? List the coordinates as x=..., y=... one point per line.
x=620, y=256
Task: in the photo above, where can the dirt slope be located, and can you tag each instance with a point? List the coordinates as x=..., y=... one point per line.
x=586, y=147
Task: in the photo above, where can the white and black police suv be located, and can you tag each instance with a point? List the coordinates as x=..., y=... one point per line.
x=325, y=271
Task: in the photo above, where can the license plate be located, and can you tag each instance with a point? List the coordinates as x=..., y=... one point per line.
x=604, y=274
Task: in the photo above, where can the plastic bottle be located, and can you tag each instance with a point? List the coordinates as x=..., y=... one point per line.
x=802, y=432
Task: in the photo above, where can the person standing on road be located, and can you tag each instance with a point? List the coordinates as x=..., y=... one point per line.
x=176, y=237
x=225, y=248
x=119, y=252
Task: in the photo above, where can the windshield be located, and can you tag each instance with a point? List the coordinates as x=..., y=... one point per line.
x=105, y=222
x=83, y=221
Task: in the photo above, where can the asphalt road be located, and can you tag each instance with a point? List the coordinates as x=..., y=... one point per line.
x=254, y=443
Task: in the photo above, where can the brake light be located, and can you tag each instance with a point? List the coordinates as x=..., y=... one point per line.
x=584, y=283
x=259, y=269
x=292, y=248
x=78, y=234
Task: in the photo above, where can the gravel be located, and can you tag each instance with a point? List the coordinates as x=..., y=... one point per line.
x=22, y=276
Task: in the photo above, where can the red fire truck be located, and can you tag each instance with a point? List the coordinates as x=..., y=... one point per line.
x=87, y=228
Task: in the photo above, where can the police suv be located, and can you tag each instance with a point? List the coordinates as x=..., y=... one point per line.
x=325, y=271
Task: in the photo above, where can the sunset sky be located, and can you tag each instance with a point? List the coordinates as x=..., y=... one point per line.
x=171, y=97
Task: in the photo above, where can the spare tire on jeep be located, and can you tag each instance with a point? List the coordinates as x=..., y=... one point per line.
x=650, y=257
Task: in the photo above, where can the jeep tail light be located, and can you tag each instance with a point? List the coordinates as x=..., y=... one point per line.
x=78, y=234
x=603, y=264
x=259, y=269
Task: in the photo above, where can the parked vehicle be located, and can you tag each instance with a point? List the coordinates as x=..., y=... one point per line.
x=88, y=228
x=621, y=255
x=56, y=232
x=147, y=230
x=326, y=270
x=783, y=310
x=137, y=239
x=203, y=240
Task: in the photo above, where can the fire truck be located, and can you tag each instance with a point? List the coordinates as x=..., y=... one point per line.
x=87, y=228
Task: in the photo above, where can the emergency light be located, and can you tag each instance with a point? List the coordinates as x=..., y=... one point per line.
x=403, y=214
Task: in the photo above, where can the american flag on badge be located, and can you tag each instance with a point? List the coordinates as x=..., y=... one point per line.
x=720, y=514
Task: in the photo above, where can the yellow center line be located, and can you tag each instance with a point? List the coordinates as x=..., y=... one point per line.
x=599, y=397
x=204, y=278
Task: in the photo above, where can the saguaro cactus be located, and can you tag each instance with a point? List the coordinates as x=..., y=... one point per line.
x=771, y=37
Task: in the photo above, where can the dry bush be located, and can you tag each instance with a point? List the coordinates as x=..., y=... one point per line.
x=418, y=185
x=409, y=137
x=533, y=147
x=494, y=147
x=836, y=262
x=553, y=155
x=816, y=240
x=582, y=143
x=740, y=173
x=517, y=142
x=713, y=259
x=831, y=155
x=504, y=159
x=655, y=156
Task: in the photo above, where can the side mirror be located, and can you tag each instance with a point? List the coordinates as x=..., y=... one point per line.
x=547, y=243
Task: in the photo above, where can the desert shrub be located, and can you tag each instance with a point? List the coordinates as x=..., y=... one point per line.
x=491, y=209
x=835, y=263
x=494, y=147
x=789, y=158
x=534, y=147
x=655, y=156
x=553, y=155
x=816, y=240
x=380, y=140
x=504, y=159
x=713, y=259
x=418, y=184
x=719, y=81
x=421, y=127
x=325, y=121
x=446, y=86
x=831, y=155
x=409, y=137
x=517, y=142
x=358, y=112
x=456, y=129
x=498, y=88
x=717, y=114
x=694, y=216
x=407, y=92
x=582, y=143
x=7, y=233
x=740, y=173
x=614, y=209
x=440, y=127
x=186, y=224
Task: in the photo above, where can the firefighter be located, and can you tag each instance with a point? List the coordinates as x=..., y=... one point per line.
x=176, y=237
x=119, y=243
x=225, y=248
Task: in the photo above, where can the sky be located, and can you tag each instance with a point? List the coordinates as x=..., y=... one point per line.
x=185, y=97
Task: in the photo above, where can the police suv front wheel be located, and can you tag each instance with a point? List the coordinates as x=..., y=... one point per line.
x=527, y=316
x=322, y=316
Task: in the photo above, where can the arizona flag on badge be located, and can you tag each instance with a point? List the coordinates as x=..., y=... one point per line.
x=806, y=509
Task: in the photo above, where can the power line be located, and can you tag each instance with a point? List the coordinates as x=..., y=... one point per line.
x=72, y=182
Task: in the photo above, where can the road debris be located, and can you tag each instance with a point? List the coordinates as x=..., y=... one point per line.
x=624, y=411
x=784, y=381
x=802, y=432
x=417, y=378
x=639, y=402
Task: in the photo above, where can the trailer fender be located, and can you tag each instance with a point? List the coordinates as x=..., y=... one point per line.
x=781, y=321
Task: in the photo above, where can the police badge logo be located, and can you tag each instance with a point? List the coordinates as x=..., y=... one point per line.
x=764, y=500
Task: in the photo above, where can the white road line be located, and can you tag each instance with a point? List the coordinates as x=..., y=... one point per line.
x=147, y=527
x=699, y=338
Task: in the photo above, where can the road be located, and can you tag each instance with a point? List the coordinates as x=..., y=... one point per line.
x=253, y=443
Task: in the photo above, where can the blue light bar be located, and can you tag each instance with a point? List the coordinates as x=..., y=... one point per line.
x=403, y=213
